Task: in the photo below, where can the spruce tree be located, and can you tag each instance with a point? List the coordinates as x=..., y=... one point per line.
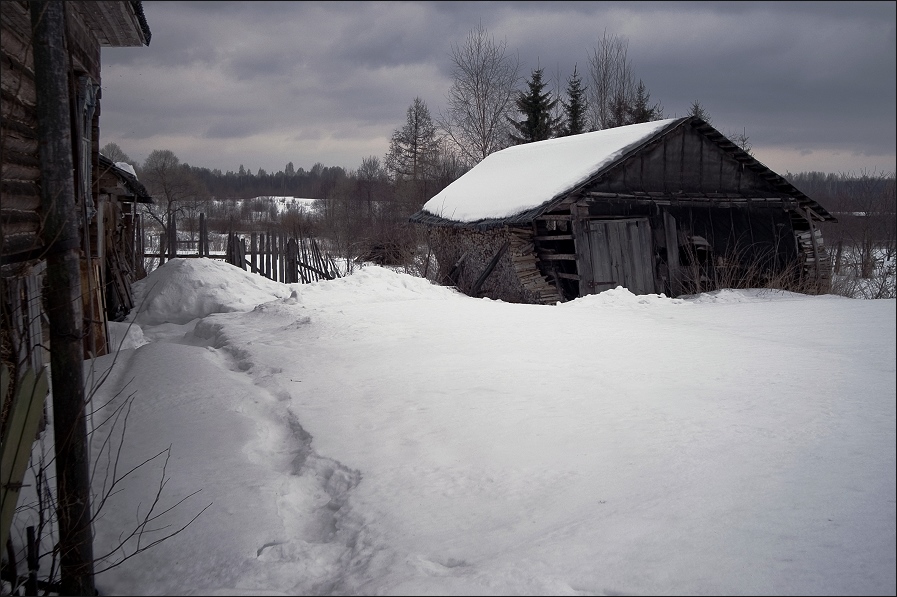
x=698, y=110
x=574, y=107
x=536, y=107
x=640, y=110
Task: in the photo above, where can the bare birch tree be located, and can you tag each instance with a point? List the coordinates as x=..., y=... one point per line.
x=612, y=85
x=481, y=96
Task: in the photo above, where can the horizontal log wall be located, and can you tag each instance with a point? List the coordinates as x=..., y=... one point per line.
x=19, y=161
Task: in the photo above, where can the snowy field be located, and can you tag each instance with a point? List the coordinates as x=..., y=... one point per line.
x=378, y=435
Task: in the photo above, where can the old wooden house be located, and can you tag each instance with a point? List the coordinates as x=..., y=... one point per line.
x=99, y=188
x=671, y=206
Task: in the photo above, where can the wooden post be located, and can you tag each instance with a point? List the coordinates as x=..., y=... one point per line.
x=172, y=238
x=281, y=257
x=203, y=248
x=671, y=236
x=64, y=308
x=292, y=261
x=306, y=278
x=252, y=253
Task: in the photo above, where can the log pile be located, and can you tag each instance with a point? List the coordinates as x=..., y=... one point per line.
x=523, y=257
x=816, y=261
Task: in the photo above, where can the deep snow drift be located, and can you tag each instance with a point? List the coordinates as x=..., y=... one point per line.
x=377, y=434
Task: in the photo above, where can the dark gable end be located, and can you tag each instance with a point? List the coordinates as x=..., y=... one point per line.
x=693, y=160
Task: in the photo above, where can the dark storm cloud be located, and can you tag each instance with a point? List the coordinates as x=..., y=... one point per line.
x=225, y=83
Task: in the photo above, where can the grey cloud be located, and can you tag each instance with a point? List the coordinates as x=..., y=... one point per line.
x=801, y=76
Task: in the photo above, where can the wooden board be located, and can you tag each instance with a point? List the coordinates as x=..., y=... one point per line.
x=621, y=255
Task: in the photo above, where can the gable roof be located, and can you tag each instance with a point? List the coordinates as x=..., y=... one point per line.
x=514, y=185
x=128, y=181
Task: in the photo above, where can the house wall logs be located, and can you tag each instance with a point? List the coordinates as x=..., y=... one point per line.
x=19, y=161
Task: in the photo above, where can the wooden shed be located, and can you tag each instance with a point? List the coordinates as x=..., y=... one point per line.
x=671, y=207
x=89, y=26
x=121, y=230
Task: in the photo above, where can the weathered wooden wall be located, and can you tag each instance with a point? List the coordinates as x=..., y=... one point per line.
x=19, y=161
x=464, y=255
x=686, y=161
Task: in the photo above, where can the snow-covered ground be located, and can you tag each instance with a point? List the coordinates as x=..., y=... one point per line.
x=377, y=434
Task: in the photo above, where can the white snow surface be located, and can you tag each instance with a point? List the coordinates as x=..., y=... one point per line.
x=127, y=168
x=379, y=435
x=522, y=177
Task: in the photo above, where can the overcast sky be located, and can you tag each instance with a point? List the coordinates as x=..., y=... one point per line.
x=265, y=83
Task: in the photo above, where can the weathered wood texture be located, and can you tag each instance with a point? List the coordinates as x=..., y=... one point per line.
x=20, y=211
x=281, y=258
x=622, y=255
x=514, y=277
x=708, y=214
x=64, y=306
x=684, y=161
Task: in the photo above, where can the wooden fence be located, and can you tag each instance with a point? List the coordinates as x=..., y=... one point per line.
x=281, y=258
x=276, y=256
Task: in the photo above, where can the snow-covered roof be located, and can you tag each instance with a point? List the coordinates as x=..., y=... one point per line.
x=523, y=177
x=127, y=177
x=127, y=168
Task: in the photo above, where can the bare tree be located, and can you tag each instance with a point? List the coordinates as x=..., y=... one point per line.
x=177, y=193
x=372, y=180
x=116, y=153
x=612, y=86
x=481, y=96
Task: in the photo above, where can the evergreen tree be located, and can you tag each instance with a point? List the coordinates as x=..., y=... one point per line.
x=640, y=109
x=698, y=110
x=536, y=106
x=574, y=107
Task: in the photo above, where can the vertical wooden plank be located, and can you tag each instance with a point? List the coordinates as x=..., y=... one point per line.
x=582, y=248
x=602, y=272
x=253, y=250
x=292, y=264
x=624, y=248
x=616, y=254
x=672, y=239
x=303, y=258
x=17, y=318
x=267, y=254
x=33, y=311
x=647, y=250
x=275, y=257
x=284, y=255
